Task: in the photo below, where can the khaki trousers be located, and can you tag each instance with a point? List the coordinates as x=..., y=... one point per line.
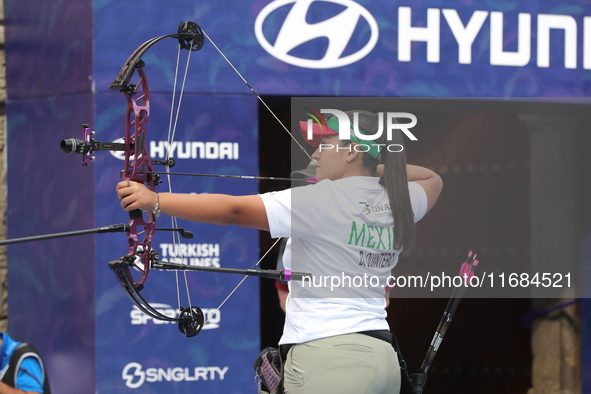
x=343, y=364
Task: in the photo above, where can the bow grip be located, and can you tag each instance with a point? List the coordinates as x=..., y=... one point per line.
x=136, y=214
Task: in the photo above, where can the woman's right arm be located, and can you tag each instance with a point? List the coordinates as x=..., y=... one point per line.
x=222, y=209
x=429, y=181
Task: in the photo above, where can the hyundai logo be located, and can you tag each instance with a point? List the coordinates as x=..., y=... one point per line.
x=338, y=29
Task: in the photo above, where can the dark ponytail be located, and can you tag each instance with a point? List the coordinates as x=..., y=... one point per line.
x=394, y=180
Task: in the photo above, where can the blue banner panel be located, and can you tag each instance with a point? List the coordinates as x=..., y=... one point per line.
x=425, y=48
x=216, y=135
x=48, y=47
x=51, y=282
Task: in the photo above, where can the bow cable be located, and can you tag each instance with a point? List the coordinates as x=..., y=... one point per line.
x=172, y=126
x=256, y=94
x=210, y=315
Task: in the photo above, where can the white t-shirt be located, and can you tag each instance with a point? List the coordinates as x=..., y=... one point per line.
x=341, y=232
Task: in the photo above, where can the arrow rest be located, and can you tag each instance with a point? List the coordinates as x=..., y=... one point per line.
x=192, y=321
x=168, y=163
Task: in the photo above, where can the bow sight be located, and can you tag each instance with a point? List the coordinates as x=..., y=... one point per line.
x=87, y=146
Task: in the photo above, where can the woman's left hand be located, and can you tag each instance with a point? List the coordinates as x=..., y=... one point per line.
x=134, y=195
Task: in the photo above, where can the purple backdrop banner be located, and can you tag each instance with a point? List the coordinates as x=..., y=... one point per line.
x=39, y=67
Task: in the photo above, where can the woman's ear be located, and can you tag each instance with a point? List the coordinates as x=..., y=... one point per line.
x=353, y=153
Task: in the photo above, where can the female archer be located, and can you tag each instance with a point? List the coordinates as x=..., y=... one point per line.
x=348, y=231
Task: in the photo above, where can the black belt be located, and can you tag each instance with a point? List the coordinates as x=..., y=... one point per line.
x=380, y=334
x=384, y=335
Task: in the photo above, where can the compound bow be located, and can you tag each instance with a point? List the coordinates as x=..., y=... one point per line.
x=139, y=167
